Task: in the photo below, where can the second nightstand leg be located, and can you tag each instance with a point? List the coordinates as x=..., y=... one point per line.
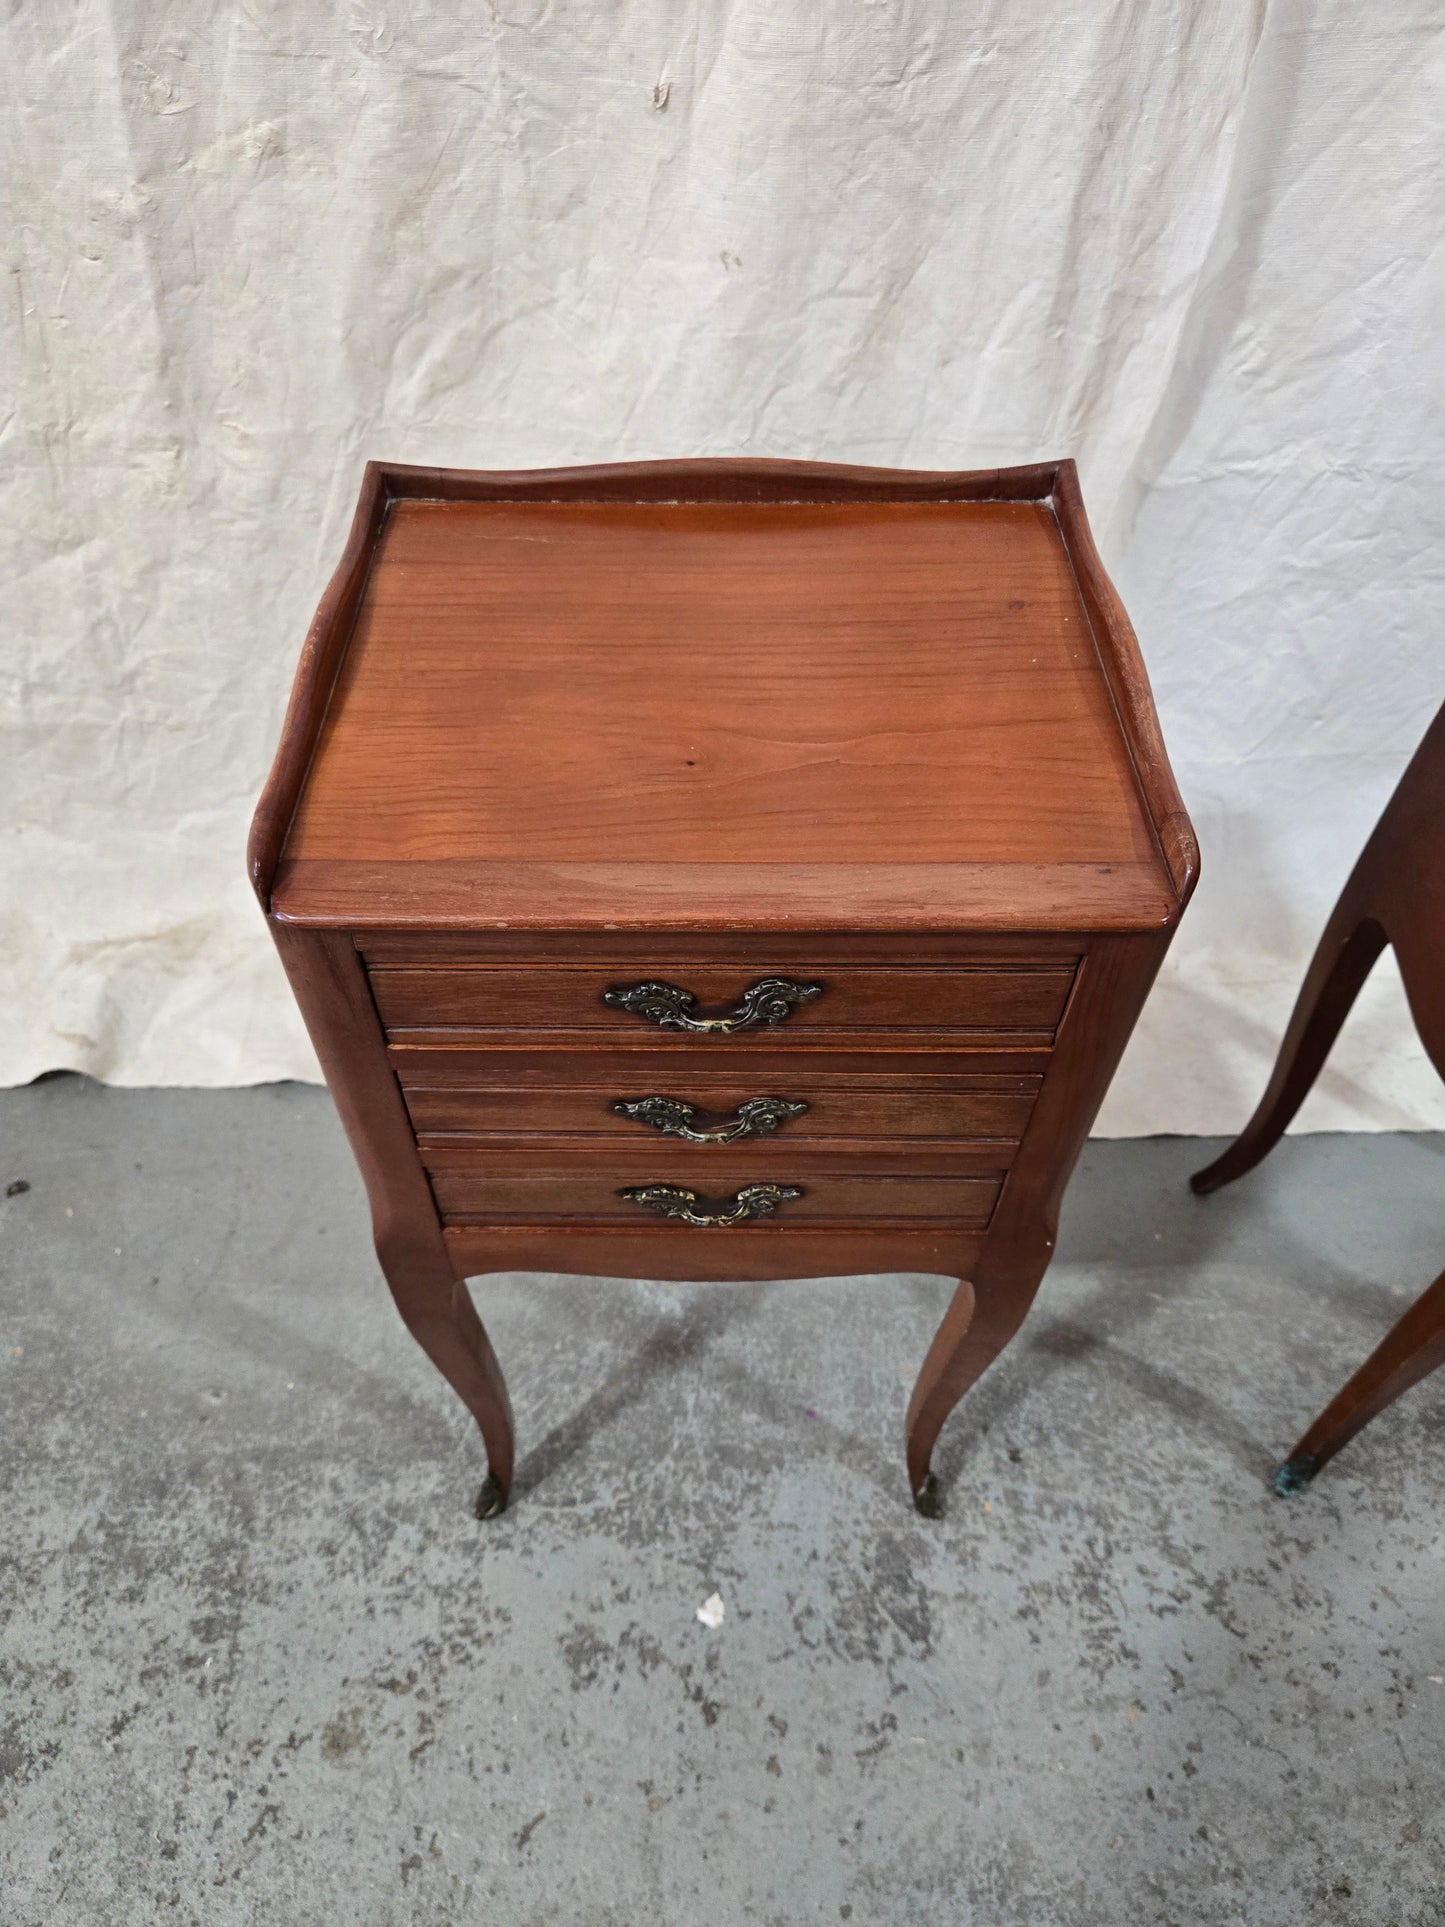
x=984, y=1314
x=1413, y=1349
x=438, y=1312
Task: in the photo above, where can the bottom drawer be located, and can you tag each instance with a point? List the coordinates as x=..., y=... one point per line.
x=744, y=1201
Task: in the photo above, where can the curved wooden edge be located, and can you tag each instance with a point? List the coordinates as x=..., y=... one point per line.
x=686, y=1255
x=724, y=479
x=321, y=657
x=1128, y=680
x=719, y=479
x=335, y=999
x=1114, y=980
x=333, y=993
x=1412, y=1349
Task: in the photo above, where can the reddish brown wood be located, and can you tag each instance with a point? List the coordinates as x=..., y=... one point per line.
x=1017, y=788
x=1394, y=895
x=750, y=1054
x=834, y=1113
x=763, y=1251
x=1032, y=898
x=321, y=657
x=522, y=1190
x=1123, y=666
x=1412, y=1349
x=776, y=618
x=331, y=988
x=676, y=949
x=699, y=722
x=529, y=1069
x=714, y=1167
x=490, y=997
x=725, y=479
x=991, y=1304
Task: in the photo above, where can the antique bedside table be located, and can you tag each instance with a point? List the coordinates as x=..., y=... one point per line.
x=704, y=870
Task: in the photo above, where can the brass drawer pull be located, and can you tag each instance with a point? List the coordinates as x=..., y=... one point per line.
x=756, y=1117
x=769, y=1001
x=753, y=1201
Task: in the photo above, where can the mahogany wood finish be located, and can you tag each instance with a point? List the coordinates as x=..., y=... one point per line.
x=754, y=1251
x=995, y=1109
x=1395, y=895
x=757, y=953
x=774, y=1160
x=560, y=733
x=485, y=997
x=492, y=1189
x=755, y=1052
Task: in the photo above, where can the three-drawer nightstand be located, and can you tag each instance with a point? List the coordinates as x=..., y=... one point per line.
x=705, y=870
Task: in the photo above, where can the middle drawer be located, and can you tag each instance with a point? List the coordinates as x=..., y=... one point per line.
x=649, y=1108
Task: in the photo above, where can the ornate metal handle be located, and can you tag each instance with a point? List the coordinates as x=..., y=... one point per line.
x=771, y=1000
x=753, y=1201
x=753, y=1118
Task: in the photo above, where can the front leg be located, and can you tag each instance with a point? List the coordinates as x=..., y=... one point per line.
x=437, y=1310
x=334, y=993
x=988, y=1308
x=985, y=1313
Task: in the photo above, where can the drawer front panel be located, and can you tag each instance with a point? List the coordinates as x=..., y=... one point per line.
x=588, y=1111
x=557, y=997
x=483, y=1190
x=769, y=1250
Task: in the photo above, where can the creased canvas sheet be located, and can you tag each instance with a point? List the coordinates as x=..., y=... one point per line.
x=1190, y=244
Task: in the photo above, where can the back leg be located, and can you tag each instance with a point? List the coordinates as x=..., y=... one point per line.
x=1410, y=1352
x=1343, y=959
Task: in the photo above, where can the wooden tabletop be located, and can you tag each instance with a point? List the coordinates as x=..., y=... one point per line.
x=726, y=714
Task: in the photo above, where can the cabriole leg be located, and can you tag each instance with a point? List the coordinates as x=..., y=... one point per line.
x=1344, y=957
x=1411, y=1351
x=983, y=1316
x=438, y=1312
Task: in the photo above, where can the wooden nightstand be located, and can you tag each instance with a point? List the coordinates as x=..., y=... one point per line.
x=707, y=870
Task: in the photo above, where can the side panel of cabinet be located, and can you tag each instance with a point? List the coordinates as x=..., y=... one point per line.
x=330, y=986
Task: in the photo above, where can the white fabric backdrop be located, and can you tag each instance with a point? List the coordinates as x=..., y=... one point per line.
x=252, y=245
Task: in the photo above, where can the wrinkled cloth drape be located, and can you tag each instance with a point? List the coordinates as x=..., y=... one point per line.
x=251, y=246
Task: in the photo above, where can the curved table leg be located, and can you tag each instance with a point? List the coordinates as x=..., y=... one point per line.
x=438, y=1312
x=1343, y=959
x=1412, y=1350
x=983, y=1316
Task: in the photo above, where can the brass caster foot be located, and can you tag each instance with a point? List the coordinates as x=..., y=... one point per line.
x=928, y=1499
x=492, y=1499
x=1294, y=1476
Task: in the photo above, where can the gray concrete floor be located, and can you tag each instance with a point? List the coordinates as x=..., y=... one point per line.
x=260, y=1664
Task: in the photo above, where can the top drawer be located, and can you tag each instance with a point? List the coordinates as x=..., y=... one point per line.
x=716, y=1001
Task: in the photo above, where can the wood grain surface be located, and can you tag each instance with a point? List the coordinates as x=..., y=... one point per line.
x=834, y=1110
x=492, y=997
x=749, y=1251
x=337, y=894
x=718, y=691
x=1394, y=895
x=673, y=1160
x=700, y=722
x=477, y=1189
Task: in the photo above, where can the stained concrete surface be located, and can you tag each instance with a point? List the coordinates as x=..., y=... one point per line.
x=260, y=1665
